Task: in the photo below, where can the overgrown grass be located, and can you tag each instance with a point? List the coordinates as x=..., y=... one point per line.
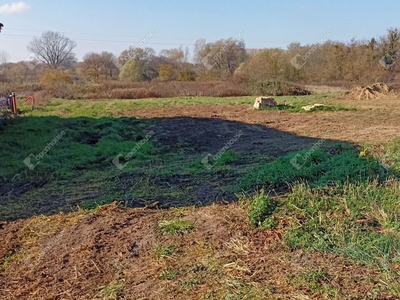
x=261, y=207
x=316, y=166
x=387, y=154
x=83, y=162
x=358, y=220
x=83, y=143
x=72, y=156
x=344, y=202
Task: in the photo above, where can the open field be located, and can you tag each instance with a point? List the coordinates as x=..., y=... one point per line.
x=78, y=170
x=270, y=204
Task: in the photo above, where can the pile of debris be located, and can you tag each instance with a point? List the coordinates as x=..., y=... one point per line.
x=264, y=102
x=295, y=91
x=374, y=91
x=310, y=107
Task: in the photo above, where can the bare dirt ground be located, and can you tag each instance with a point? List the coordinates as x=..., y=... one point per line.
x=375, y=120
x=109, y=254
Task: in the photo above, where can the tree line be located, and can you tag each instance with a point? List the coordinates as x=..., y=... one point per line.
x=324, y=62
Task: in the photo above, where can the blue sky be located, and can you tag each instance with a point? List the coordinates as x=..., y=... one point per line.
x=115, y=25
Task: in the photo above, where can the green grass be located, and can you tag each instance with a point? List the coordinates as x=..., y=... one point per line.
x=316, y=166
x=261, y=207
x=177, y=226
x=113, y=291
x=84, y=143
x=78, y=169
x=387, y=154
x=358, y=220
x=294, y=104
x=339, y=210
x=340, y=201
x=187, y=285
x=111, y=108
x=78, y=164
x=163, y=251
x=168, y=274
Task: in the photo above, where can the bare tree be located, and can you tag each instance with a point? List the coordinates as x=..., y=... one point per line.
x=175, y=56
x=53, y=48
x=223, y=56
x=4, y=57
x=142, y=55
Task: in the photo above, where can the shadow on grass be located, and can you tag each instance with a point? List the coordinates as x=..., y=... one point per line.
x=158, y=162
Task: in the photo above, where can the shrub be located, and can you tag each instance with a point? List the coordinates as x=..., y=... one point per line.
x=165, y=72
x=131, y=71
x=187, y=75
x=275, y=88
x=132, y=93
x=57, y=83
x=55, y=78
x=155, y=89
x=42, y=98
x=209, y=76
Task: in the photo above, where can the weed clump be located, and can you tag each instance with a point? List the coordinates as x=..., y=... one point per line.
x=178, y=226
x=261, y=207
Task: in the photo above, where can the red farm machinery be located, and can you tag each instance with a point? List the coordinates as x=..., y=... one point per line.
x=8, y=103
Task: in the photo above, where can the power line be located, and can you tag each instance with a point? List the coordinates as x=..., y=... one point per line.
x=94, y=34
x=131, y=36
x=130, y=42
x=108, y=41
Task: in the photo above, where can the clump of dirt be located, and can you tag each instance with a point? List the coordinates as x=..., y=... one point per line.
x=395, y=88
x=374, y=91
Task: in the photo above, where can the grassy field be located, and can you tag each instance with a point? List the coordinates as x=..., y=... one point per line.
x=79, y=169
x=311, y=198
x=110, y=108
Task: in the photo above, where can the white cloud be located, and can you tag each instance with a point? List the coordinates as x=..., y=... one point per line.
x=15, y=7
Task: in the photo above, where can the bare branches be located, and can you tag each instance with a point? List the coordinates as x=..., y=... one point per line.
x=53, y=48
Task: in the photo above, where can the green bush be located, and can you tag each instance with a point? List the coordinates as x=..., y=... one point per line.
x=131, y=71
x=187, y=75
